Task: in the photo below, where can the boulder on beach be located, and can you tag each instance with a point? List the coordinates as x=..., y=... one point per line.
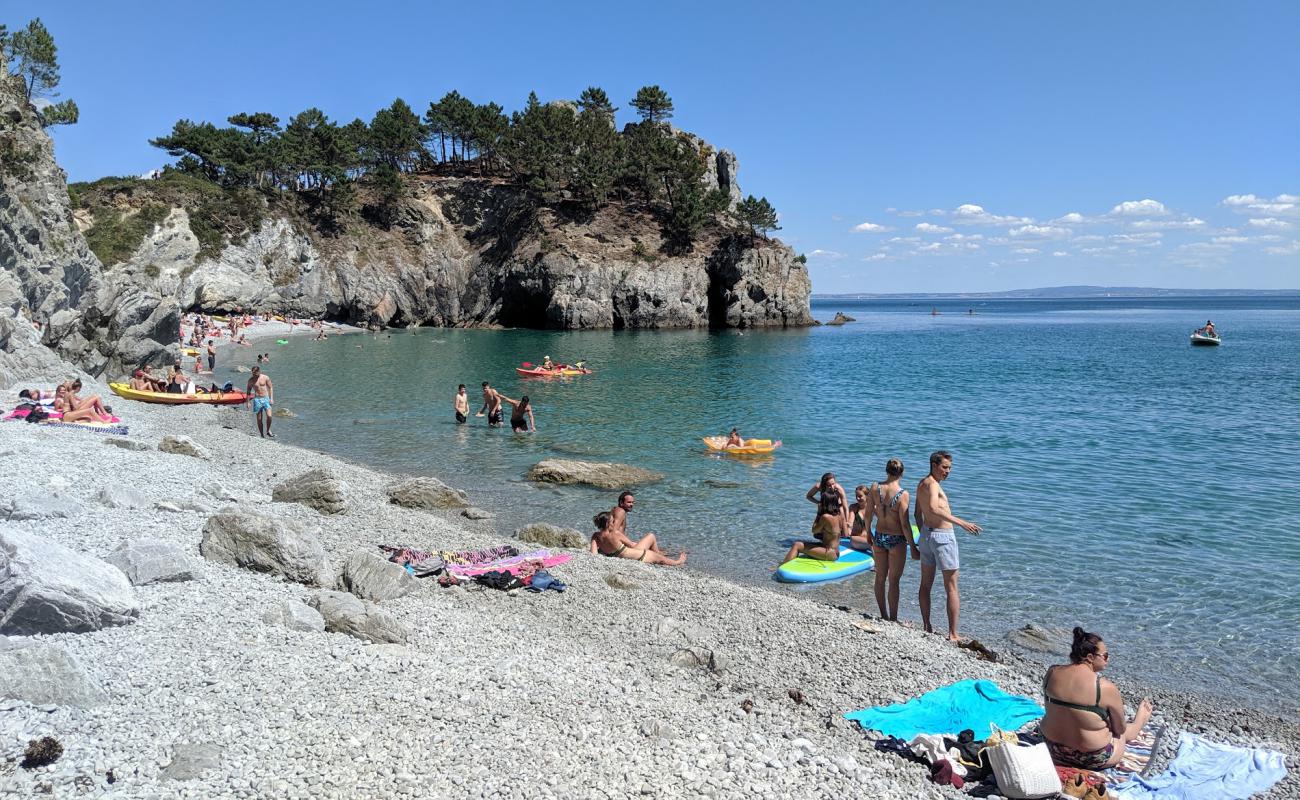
x=346, y=613
x=266, y=544
x=1042, y=638
x=295, y=616
x=48, y=588
x=145, y=561
x=591, y=473
x=370, y=577
x=548, y=535
x=428, y=493
x=125, y=443
x=40, y=672
x=122, y=497
x=840, y=318
x=320, y=489
x=39, y=506
x=182, y=446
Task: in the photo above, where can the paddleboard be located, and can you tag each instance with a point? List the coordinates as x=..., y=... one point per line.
x=813, y=570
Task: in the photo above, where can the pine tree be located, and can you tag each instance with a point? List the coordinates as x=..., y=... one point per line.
x=34, y=58
x=758, y=214
x=594, y=99
x=653, y=104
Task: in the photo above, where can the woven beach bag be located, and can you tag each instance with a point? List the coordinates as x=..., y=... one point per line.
x=1022, y=771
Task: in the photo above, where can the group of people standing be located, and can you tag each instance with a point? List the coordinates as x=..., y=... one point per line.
x=879, y=522
x=521, y=410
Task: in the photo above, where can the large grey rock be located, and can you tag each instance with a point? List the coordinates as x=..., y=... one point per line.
x=48, y=588
x=425, y=492
x=182, y=446
x=346, y=613
x=190, y=761
x=295, y=616
x=122, y=497
x=475, y=513
x=841, y=318
x=126, y=444
x=370, y=577
x=145, y=561
x=590, y=473
x=320, y=489
x=40, y=672
x=548, y=535
x=40, y=506
x=266, y=544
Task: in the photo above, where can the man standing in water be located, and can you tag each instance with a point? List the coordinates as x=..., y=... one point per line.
x=939, y=541
x=212, y=356
x=259, y=386
x=461, y=405
x=618, y=523
x=492, y=405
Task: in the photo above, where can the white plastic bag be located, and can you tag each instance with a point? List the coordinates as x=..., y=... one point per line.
x=1022, y=771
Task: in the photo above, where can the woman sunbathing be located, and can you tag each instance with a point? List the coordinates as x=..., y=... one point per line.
x=615, y=544
x=829, y=527
x=64, y=401
x=1084, y=724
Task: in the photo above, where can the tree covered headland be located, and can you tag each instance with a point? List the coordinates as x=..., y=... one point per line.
x=561, y=152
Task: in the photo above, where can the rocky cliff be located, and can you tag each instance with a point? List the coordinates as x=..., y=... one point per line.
x=50, y=282
x=462, y=251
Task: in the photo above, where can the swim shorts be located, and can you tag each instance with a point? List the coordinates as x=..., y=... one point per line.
x=494, y=418
x=939, y=548
x=460, y=417
x=519, y=425
x=261, y=404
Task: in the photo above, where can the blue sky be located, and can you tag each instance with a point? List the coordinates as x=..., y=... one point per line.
x=937, y=146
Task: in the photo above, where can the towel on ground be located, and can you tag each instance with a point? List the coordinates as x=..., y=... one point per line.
x=931, y=747
x=1137, y=755
x=949, y=709
x=1205, y=770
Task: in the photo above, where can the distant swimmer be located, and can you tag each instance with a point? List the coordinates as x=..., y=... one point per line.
x=492, y=405
x=461, y=405
x=934, y=312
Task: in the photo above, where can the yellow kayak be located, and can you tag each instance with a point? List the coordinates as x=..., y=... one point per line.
x=190, y=351
x=752, y=447
x=173, y=399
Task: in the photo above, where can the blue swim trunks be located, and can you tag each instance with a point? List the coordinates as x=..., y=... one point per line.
x=261, y=404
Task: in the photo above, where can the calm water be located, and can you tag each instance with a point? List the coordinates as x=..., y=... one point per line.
x=1126, y=481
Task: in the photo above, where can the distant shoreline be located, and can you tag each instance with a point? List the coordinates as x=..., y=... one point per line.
x=1066, y=293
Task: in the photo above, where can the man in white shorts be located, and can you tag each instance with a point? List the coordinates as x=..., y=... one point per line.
x=938, y=544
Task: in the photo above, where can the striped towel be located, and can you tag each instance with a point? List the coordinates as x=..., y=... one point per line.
x=1137, y=755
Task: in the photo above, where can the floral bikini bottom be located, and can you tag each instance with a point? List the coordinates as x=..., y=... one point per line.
x=1067, y=756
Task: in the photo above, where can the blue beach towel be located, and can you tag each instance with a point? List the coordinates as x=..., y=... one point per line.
x=1205, y=770
x=950, y=710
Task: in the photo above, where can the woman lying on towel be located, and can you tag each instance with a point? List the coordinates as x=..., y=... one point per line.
x=1084, y=724
x=615, y=544
x=76, y=409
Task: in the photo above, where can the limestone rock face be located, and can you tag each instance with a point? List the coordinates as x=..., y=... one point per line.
x=145, y=561
x=40, y=672
x=551, y=536
x=266, y=544
x=47, y=272
x=370, y=577
x=345, y=613
x=320, y=489
x=425, y=492
x=591, y=473
x=48, y=588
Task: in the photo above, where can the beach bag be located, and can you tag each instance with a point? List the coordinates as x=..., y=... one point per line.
x=1022, y=771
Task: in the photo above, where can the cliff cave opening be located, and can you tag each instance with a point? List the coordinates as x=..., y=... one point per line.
x=521, y=308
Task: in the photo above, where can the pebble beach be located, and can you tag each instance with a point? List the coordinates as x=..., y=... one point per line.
x=638, y=681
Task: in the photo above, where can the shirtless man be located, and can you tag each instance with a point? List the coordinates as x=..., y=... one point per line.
x=461, y=405
x=618, y=525
x=939, y=541
x=212, y=356
x=263, y=392
x=492, y=405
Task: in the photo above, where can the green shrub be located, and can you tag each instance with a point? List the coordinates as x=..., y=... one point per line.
x=117, y=234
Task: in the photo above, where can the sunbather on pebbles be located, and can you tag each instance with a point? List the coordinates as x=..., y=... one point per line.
x=607, y=541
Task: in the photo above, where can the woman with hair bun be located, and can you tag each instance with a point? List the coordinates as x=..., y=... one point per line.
x=1084, y=724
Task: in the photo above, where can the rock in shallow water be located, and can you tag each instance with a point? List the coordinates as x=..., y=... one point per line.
x=425, y=492
x=266, y=544
x=145, y=561
x=591, y=473
x=1042, y=638
x=48, y=588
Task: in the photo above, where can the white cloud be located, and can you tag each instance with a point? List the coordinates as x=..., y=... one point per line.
x=1089, y=237
x=1187, y=223
x=1073, y=218
x=1136, y=238
x=1139, y=208
x=965, y=237
x=1039, y=232
x=876, y=257
x=1285, y=250
x=971, y=214
x=907, y=239
x=1059, y=253
x=904, y=213
x=927, y=227
x=1025, y=251
x=830, y=255
x=928, y=248
x=1270, y=223
x=836, y=218
x=1230, y=239
x=1284, y=205
x=870, y=227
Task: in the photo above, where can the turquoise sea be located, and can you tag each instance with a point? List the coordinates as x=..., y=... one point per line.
x=1126, y=481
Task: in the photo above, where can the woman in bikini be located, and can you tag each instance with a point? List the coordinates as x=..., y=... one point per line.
x=615, y=544
x=1084, y=724
x=829, y=527
x=65, y=402
x=828, y=485
x=888, y=504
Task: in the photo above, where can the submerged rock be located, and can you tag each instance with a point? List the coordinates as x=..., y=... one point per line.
x=1042, y=638
x=591, y=473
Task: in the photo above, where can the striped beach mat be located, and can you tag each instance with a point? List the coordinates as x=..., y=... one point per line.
x=1137, y=755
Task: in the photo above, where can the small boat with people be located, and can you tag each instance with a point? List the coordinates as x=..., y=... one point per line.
x=1206, y=336
x=232, y=398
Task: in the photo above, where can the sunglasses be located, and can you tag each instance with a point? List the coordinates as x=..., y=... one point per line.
x=1103, y=656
